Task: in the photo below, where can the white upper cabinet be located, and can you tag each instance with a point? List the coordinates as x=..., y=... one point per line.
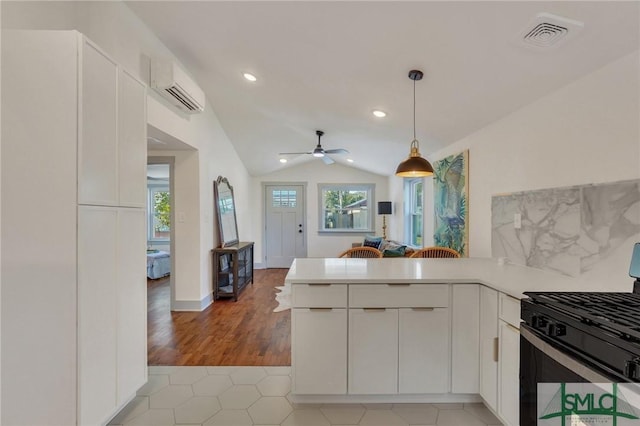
x=112, y=149
x=98, y=155
x=132, y=142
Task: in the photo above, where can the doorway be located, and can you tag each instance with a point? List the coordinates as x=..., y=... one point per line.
x=160, y=220
x=285, y=223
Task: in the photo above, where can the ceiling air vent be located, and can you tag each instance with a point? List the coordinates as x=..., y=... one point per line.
x=547, y=30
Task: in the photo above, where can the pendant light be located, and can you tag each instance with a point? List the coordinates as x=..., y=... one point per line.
x=415, y=165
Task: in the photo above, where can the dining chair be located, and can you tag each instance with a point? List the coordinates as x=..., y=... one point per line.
x=436, y=252
x=362, y=252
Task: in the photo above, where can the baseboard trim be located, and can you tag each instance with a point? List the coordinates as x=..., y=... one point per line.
x=259, y=266
x=378, y=399
x=193, y=305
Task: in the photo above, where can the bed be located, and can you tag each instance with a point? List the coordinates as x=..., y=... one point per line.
x=158, y=264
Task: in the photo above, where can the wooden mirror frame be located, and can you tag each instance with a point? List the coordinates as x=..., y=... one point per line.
x=225, y=206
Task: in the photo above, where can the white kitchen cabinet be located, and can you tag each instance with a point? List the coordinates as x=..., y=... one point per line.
x=111, y=298
x=465, y=336
x=509, y=359
x=403, y=327
x=131, y=303
x=111, y=159
x=97, y=146
x=319, y=350
x=508, y=405
x=489, y=346
x=373, y=351
x=73, y=268
x=423, y=350
x=132, y=128
x=97, y=312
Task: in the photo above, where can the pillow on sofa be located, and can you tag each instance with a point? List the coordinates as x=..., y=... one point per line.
x=375, y=242
x=394, y=250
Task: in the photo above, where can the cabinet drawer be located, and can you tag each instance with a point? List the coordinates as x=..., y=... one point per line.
x=319, y=295
x=399, y=296
x=509, y=310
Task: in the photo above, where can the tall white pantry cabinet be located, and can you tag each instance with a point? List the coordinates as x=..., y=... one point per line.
x=73, y=231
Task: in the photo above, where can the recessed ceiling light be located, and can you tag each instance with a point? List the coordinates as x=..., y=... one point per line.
x=250, y=77
x=378, y=113
x=350, y=160
x=283, y=160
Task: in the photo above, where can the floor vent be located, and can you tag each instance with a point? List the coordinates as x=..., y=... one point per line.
x=547, y=30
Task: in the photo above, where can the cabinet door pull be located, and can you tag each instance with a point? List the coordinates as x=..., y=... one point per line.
x=374, y=309
x=495, y=349
x=422, y=309
x=320, y=309
x=399, y=284
x=319, y=284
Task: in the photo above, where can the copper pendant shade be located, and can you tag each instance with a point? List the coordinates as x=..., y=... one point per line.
x=415, y=165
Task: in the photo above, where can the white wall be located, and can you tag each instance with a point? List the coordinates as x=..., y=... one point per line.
x=122, y=35
x=312, y=173
x=586, y=132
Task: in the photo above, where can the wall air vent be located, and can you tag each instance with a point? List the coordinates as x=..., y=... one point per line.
x=547, y=30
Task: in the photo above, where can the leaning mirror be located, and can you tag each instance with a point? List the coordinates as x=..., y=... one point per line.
x=226, y=211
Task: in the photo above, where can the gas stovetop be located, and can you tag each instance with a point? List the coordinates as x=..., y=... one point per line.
x=617, y=313
x=602, y=329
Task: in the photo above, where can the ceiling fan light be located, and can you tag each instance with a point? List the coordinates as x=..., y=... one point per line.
x=318, y=154
x=283, y=160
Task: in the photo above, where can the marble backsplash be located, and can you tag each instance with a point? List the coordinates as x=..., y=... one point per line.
x=582, y=231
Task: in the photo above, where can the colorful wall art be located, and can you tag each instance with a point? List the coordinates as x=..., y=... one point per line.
x=451, y=197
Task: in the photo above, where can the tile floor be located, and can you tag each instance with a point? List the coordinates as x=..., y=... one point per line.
x=230, y=396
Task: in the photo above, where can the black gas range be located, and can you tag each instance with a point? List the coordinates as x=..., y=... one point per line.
x=579, y=338
x=600, y=329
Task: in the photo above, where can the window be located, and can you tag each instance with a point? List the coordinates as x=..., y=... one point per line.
x=414, y=207
x=159, y=213
x=284, y=198
x=346, y=207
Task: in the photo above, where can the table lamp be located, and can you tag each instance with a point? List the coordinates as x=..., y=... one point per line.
x=384, y=208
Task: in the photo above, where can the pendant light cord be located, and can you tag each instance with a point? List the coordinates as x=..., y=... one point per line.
x=414, y=110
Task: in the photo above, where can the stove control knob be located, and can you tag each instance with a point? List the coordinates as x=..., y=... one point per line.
x=632, y=368
x=555, y=330
x=539, y=321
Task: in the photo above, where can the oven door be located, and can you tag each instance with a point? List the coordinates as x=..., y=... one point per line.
x=540, y=362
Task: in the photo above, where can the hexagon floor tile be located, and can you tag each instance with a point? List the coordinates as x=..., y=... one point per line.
x=252, y=396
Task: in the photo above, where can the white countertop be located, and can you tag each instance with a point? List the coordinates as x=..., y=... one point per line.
x=513, y=280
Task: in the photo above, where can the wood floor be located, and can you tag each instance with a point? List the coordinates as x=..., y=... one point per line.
x=246, y=332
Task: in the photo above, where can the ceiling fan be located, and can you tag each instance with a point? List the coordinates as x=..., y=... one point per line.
x=319, y=151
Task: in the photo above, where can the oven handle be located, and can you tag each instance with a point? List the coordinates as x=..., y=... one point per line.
x=562, y=358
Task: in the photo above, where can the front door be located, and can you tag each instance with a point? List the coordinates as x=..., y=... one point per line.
x=285, y=224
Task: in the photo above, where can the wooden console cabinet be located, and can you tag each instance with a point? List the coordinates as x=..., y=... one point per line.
x=232, y=269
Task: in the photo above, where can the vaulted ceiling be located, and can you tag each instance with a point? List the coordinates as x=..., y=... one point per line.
x=328, y=64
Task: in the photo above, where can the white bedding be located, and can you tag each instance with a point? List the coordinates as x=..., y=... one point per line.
x=158, y=264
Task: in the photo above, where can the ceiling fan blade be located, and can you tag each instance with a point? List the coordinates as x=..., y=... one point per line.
x=294, y=153
x=327, y=160
x=336, y=151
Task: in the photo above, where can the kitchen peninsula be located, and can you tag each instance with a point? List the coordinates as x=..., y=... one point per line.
x=412, y=330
